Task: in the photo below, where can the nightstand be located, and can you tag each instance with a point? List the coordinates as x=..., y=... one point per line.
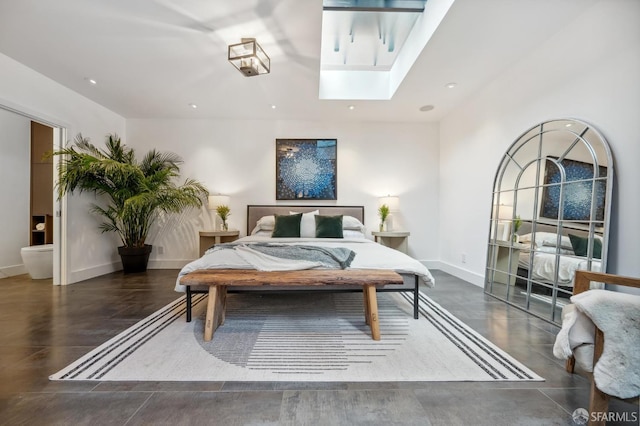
x=393, y=239
x=209, y=238
x=505, y=269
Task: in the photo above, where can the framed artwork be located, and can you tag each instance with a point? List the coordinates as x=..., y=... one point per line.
x=306, y=169
x=578, y=189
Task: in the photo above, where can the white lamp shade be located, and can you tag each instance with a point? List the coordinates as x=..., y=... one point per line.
x=392, y=202
x=218, y=200
x=505, y=211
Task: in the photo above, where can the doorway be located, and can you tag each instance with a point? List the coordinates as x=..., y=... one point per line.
x=47, y=212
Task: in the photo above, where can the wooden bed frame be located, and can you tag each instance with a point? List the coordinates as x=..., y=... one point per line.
x=255, y=212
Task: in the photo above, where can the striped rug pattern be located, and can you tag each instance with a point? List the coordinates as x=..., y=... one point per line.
x=300, y=337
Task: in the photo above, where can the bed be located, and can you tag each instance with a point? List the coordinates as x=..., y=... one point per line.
x=548, y=260
x=261, y=221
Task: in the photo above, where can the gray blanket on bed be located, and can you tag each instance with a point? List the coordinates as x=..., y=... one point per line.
x=331, y=257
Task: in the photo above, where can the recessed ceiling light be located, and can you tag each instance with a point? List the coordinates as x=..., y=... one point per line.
x=273, y=107
x=450, y=85
x=352, y=107
x=194, y=106
x=91, y=81
x=426, y=108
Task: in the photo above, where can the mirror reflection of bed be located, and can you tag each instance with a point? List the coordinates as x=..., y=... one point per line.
x=550, y=216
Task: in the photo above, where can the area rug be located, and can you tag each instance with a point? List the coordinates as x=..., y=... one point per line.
x=300, y=337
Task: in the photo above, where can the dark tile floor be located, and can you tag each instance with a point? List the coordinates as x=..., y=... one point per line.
x=44, y=328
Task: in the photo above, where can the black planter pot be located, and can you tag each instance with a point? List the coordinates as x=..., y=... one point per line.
x=134, y=259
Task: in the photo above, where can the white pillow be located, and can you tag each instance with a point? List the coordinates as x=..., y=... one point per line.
x=265, y=223
x=547, y=239
x=350, y=222
x=350, y=233
x=308, y=224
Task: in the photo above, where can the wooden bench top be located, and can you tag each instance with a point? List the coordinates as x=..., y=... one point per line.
x=307, y=277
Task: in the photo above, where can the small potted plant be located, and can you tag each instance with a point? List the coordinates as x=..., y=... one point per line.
x=224, y=212
x=517, y=222
x=383, y=212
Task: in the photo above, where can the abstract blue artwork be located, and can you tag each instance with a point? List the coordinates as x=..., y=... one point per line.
x=306, y=169
x=577, y=189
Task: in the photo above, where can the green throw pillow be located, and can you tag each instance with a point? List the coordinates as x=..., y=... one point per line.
x=329, y=226
x=287, y=226
x=581, y=245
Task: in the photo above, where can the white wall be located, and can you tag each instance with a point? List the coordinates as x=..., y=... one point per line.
x=15, y=162
x=589, y=71
x=237, y=158
x=23, y=89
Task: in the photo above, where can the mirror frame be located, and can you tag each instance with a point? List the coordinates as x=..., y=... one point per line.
x=510, y=261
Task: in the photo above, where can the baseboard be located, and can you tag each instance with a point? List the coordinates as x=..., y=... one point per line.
x=107, y=268
x=13, y=270
x=95, y=271
x=431, y=264
x=168, y=263
x=463, y=274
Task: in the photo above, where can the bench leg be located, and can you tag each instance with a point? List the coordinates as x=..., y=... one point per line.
x=215, y=310
x=570, y=364
x=188, y=297
x=367, y=314
x=371, y=306
x=416, y=298
x=221, y=305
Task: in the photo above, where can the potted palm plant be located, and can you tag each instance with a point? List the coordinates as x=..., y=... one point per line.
x=137, y=190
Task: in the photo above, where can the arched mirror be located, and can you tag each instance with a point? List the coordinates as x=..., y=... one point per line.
x=550, y=215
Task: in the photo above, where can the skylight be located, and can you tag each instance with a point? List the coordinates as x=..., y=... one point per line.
x=369, y=46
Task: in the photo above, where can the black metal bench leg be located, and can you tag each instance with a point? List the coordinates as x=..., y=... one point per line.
x=416, y=298
x=188, y=296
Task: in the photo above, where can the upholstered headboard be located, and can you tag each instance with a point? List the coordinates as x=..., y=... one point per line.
x=255, y=212
x=525, y=228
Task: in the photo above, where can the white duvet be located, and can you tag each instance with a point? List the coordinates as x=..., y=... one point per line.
x=369, y=255
x=544, y=266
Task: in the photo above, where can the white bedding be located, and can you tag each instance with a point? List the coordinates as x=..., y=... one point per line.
x=369, y=255
x=544, y=265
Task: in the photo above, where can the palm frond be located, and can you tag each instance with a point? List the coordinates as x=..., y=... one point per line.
x=136, y=192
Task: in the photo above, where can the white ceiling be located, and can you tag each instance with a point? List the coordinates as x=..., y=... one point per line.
x=152, y=58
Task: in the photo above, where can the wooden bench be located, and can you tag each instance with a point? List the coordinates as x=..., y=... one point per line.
x=219, y=279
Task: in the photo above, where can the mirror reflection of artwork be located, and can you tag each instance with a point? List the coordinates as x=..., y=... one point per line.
x=577, y=188
x=306, y=169
x=536, y=272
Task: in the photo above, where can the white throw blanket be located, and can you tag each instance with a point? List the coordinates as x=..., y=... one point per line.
x=309, y=257
x=617, y=372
